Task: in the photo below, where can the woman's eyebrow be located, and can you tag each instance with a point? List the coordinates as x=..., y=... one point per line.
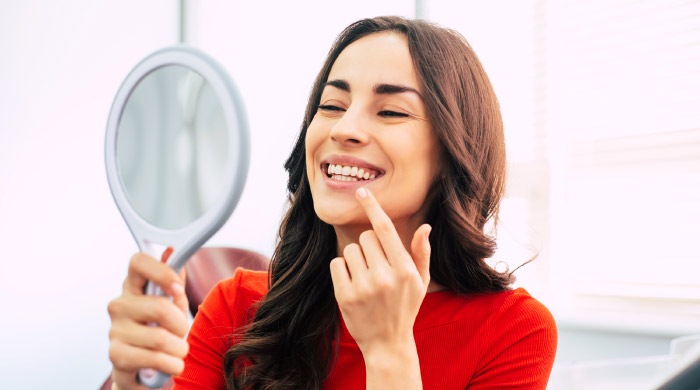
x=340, y=84
x=390, y=89
x=379, y=89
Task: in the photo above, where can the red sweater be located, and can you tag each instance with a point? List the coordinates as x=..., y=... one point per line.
x=502, y=340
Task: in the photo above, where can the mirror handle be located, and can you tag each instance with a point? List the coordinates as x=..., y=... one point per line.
x=148, y=377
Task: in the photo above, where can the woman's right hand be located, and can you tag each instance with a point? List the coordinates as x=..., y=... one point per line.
x=134, y=344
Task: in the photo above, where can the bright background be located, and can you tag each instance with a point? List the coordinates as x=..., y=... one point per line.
x=599, y=101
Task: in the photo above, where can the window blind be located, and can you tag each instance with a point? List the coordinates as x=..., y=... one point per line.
x=620, y=100
x=601, y=106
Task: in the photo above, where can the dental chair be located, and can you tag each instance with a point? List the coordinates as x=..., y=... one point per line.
x=206, y=268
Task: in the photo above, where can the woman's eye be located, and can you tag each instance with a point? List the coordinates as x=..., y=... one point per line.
x=392, y=114
x=330, y=107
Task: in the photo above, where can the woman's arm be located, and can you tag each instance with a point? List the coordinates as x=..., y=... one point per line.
x=519, y=349
x=217, y=326
x=393, y=367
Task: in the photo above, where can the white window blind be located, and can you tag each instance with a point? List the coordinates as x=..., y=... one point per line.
x=601, y=106
x=620, y=105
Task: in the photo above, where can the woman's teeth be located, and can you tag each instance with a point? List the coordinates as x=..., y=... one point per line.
x=350, y=173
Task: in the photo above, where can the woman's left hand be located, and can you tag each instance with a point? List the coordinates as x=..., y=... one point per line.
x=379, y=285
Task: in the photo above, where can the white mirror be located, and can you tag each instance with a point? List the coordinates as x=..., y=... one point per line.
x=176, y=153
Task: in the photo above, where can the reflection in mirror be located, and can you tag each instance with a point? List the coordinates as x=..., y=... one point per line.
x=172, y=140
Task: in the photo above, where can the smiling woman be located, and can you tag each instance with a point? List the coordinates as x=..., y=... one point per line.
x=371, y=117
x=379, y=278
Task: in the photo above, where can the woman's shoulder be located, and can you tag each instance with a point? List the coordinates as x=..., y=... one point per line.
x=509, y=305
x=487, y=334
x=519, y=331
x=512, y=309
x=519, y=302
x=244, y=285
x=514, y=317
x=228, y=306
x=246, y=280
x=232, y=299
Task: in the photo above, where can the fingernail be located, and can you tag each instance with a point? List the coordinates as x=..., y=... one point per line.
x=427, y=232
x=166, y=254
x=361, y=193
x=177, y=288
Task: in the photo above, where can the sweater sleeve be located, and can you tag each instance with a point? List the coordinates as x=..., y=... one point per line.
x=519, y=345
x=221, y=314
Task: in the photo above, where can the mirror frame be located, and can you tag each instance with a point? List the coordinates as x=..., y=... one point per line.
x=185, y=241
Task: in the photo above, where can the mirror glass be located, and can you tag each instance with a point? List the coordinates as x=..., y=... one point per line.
x=172, y=147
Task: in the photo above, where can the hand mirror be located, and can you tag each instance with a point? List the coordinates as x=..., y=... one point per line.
x=176, y=153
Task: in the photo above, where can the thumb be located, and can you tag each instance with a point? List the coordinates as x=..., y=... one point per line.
x=420, y=251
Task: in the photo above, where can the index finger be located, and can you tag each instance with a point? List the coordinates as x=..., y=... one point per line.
x=381, y=224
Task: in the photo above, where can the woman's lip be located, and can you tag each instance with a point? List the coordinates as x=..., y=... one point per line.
x=353, y=162
x=337, y=184
x=350, y=161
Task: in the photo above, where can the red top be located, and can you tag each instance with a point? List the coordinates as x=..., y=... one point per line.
x=503, y=340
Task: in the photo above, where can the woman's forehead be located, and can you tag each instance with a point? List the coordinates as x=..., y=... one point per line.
x=382, y=57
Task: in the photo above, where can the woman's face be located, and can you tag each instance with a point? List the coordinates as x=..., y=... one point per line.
x=371, y=130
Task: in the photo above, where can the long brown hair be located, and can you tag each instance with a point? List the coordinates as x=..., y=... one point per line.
x=289, y=344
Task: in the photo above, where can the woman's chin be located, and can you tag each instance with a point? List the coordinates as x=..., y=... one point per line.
x=341, y=217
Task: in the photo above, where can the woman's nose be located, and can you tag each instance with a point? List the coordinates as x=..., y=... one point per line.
x=351, y=129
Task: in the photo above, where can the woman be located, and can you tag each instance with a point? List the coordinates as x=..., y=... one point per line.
x=379, y=276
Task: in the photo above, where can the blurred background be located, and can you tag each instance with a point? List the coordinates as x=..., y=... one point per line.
x=601, y=104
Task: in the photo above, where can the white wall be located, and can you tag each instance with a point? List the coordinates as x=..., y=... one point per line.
x=64, y=245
